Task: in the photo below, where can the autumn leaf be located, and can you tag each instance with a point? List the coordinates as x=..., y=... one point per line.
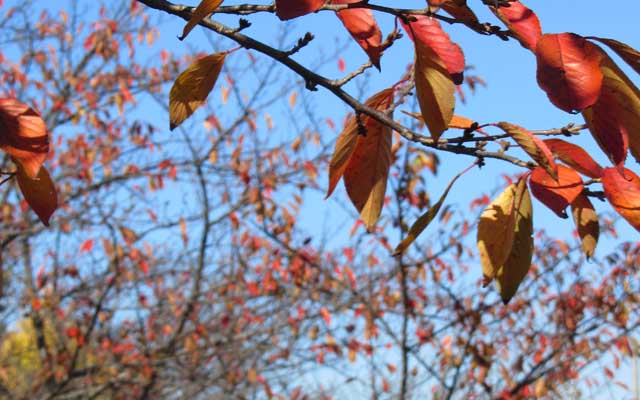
x=532, y=145
x=522, y=22
x=496, y=232
x=425, y=219
x=428, y=31
x=365, y=176
x=24, y=135
x=613, y=120
x=515, y=268
x=556, y=194
x=586, y=220
x=346, y=142
x=623, y=193
x=205, y=8
x=435, y=90
x=575, y=157
x=39, y=192
x=192, y=87
x=460, y=11
x=569, y=70
x=630, y=55
x=289, y=9
x=363, y=27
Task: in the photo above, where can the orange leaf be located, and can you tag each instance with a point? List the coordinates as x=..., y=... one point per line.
x=428, y=31
x=575, y=157
x=623, y=192
x=362, y=25
x=205, y=8
x=460, y=11
x=288, y=9
x=613, y=119
x=435, y=90
x=365, y=176
x=192, y=87
x=24, y=135
x=39, y=192
x=346, y=142
x=569, y=70
x=522, y=22
x=586, y=220
x=556, y=195
x=533, y=146
x=630, y=55
x=86, y=246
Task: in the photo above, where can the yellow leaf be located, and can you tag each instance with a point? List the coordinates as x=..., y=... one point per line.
x=39, y=192
x=435, y=90
x=586, y=220
x=515, y=268
x=496, y=233
x=192, y=87
x=533, y=146
x=346, y=142
x=205, y=8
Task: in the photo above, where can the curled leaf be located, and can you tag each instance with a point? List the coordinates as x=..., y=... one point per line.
x=39, y=192
x=622, y=189
x=533, y=146
x=289, y=9
x=496, y=231
x=515, y=268
x=205, y=8
x=522, y=22
x=192, y=87
x=23, y=134
x=556, y=194
x=575, y=157
x=435, y=90
x=363, y=27
x=586, y=220
x=569, y=70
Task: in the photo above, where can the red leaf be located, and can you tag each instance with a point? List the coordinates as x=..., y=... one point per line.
x=575, y=157
x=623, y=192
x=40, y=193
x=364, y=29
x=24, y=135
x=326, y=316
x=86, y=246
x=429, y=32
x=288, y=9
x=556, y=195
x=569, y=70
x=523, y=22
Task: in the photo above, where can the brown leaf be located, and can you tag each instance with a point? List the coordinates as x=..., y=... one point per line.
x=586, y=220
x=365, y=176
x=346, y=142
x=435, y=90
x=39, y=192
x=623, y=192
x=515, y=268
x=24, y=135
x=205, y=8
x=192, y=87
x=533, y=146
x=496, y=232
x=556, y=194
x=288, y=9
x=569, y=70
x=630, y=55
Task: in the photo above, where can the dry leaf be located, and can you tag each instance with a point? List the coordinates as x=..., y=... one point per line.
x=205, y=8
